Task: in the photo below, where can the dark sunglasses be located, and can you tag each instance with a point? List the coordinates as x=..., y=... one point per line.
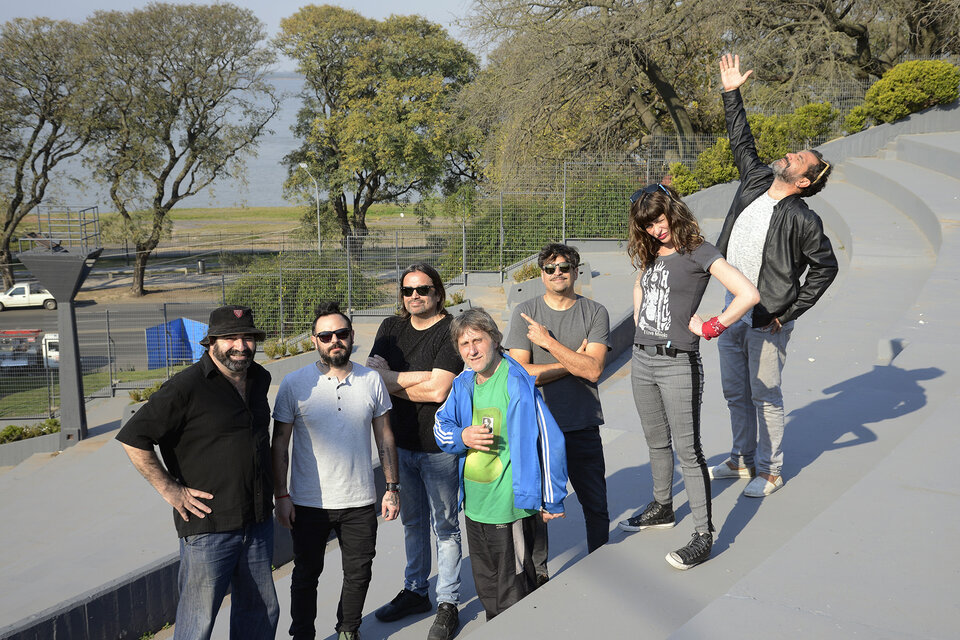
x=423, y=290
x=550, y=269
x=327, y=336
x=640, y=194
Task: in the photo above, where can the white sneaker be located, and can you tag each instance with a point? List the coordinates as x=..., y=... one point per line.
x=760, y=487
x=723, y=471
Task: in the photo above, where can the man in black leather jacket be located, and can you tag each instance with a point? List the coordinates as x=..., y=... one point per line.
x=773, y=238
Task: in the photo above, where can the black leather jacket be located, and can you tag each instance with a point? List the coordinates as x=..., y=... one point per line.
x=795, y=240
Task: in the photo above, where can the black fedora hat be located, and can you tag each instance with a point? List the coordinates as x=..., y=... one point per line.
x=230, y=320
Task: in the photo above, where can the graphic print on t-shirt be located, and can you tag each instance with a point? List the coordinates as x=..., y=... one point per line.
x=655, y=309
x=485, y=466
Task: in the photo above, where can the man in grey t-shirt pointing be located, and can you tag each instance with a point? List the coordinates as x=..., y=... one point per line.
x=561, y=338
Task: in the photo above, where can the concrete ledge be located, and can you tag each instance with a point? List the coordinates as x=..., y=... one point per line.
x=13, y=453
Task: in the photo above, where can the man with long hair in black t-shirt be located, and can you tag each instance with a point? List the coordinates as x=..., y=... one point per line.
x=418, y=363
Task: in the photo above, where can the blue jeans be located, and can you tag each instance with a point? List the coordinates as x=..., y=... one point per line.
x=212, y=562
x=431, y=497
x=751, y=365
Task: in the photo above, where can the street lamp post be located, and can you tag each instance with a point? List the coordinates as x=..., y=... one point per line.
x=316, y=187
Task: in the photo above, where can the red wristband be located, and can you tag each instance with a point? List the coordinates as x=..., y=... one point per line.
x=712, y=328
x=286, y=495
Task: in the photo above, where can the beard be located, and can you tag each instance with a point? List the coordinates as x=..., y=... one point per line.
x=337, y=360
x=232, y=365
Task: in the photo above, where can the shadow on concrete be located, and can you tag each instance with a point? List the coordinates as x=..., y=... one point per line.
x=884, y=393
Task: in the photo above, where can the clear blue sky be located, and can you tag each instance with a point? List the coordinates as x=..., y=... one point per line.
x=443, y=12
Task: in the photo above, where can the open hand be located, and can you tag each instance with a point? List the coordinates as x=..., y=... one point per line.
x=186, y=501
x=730, y=76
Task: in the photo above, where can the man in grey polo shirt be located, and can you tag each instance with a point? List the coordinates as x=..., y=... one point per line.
x=561, y=339
x=328, y=408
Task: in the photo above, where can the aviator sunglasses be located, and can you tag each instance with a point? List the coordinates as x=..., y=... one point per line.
x=640, y=194
x=423, y=290
x=550, y=269
x=327, y=336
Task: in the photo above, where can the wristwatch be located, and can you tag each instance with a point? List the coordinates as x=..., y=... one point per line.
x=393, y=486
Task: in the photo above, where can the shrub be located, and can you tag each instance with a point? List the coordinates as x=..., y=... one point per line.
x=270, y=349
x=293, y=347
x=683, y=180
x=457, y=297
x=856, y=120
x=910, y=87
x=141, y=395
x=715, y=165
x=306, y=345
x=528, y=271
x=281, y=349
x=13, y=432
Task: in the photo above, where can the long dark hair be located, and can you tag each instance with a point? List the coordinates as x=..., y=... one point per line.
x=643, y=247
x=430, y=272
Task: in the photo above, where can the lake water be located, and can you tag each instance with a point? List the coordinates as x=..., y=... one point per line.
x=265, y=173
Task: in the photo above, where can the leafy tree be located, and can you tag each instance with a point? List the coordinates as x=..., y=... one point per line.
x=187, y=98
x=377, y=121
x=47, y=111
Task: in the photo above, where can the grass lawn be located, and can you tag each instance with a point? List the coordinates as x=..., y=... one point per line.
x=27, y=395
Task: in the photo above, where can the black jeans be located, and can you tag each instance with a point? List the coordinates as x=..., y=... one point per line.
x=356, y=529
x=587, y=472
x=500, y=557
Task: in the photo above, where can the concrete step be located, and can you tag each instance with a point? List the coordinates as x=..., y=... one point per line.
x=938, y=152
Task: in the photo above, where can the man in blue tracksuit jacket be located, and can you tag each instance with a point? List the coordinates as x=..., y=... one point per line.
x=512, y=460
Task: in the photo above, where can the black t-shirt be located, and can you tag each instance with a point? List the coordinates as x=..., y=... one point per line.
x=407, y=349
x=211, y=440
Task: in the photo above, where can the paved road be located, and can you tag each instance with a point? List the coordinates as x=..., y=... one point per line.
x=109, y=330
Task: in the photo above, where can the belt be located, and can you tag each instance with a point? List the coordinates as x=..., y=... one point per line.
x=661, y=350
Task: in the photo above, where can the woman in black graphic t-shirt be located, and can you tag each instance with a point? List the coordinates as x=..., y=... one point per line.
x=675, y=265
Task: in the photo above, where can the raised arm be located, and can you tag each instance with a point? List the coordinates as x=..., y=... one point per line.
x=280, y=449
x=184, y=499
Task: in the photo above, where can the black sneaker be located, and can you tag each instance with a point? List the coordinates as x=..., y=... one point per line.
x=655, y=516
x=696, y=551
x=407, y=602
x=446, y=623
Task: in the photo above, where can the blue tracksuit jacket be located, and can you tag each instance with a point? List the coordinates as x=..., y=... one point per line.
x=537, y=454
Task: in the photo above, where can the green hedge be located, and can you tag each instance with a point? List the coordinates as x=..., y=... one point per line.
x=13, y=432
x=907, y=88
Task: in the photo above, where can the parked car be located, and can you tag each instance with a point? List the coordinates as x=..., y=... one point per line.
x=27, y=294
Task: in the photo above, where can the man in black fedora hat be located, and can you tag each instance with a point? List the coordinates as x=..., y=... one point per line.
x=211, y=422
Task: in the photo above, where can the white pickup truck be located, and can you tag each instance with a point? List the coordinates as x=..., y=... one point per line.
x=27, y=294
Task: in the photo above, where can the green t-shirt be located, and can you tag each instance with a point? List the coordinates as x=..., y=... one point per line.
x=487, y=475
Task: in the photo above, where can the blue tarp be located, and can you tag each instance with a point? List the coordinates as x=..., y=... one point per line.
x=175, y=342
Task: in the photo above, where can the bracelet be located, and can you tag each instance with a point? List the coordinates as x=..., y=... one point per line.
x=286, y=495
x=712, y=328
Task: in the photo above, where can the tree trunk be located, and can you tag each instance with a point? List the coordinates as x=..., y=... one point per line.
x=140, y=269
x=6, y=265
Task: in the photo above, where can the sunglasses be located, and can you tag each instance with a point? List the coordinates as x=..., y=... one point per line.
x=640, y=194
x=327, y=336
x=820, y=175
x=550, y=269
x=423, y=290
